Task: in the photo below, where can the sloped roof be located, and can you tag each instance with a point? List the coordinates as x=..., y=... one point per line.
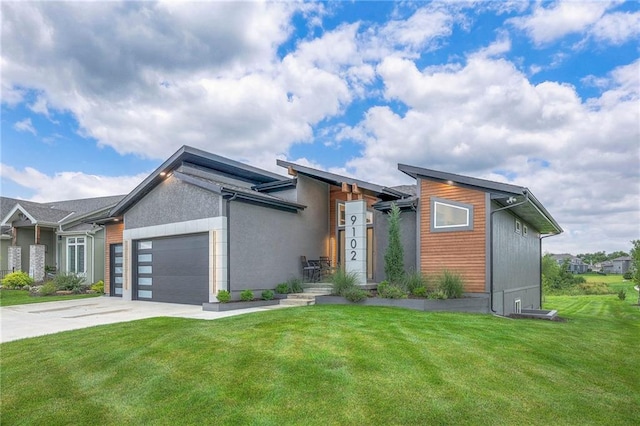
x=383, y=192
x=196, y=157
x=526, y=206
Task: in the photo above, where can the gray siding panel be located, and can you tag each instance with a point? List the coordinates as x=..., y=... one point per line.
x=516, y=264
x=266, y=244
x=173, y=201
x=408, y=231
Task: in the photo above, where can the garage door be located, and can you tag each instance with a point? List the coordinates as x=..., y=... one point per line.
x=174, y=269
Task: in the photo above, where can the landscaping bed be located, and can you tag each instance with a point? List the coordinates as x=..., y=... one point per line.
x=465, y=304
x=240, y=304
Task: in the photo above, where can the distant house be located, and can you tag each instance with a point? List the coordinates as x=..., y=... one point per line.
x=606, y=267
x=57, y=235
x=575, y=265
x=621, y=265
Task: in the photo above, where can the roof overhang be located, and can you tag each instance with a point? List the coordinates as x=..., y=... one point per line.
x=17, y=213
x=379, y=191
x=518, y=199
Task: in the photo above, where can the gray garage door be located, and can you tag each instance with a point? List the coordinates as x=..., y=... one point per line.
x=174, y=269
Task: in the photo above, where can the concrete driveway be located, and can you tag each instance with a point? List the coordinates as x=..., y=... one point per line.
x=37, y=319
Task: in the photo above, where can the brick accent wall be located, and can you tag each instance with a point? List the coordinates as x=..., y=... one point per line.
x=113, y=235
x=462, y=251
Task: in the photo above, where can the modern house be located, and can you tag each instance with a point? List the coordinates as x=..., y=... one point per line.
x=201, y=223
x=58, y=236
x=575, y=265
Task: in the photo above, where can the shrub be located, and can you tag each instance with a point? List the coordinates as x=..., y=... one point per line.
x=246, y=295
x=282, y=288
x=451, y=284
x=420, y=292
x=17, y=280
x=343, y=281
x=355, y=295
x=224, y=296
x=98, y=287
x=69, y=282
x=267, y=295
x=438, y=295
x=594, y=288
x=622, y=294
x=628, y=275
x=295, y=285
x=394, y=255
x=391, y=291
x=414, y=281
x=47, y=289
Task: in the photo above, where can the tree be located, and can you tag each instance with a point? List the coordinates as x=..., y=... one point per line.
x=616, y=254
x=394, y=256
x=635, y=265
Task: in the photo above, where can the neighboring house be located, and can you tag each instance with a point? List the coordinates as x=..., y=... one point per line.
x=575, y=265
x=620, y=265
x=201, y=223
x=56, y=235
x=607, y=267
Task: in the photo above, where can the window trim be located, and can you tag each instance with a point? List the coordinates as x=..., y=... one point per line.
x=518, y=227
x=341, y=206
x=434, y=201
x=73, y=242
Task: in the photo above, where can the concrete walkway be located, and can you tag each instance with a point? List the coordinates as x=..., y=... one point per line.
x=38, y=319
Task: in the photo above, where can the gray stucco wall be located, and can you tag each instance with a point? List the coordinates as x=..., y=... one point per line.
x=516, y=264
x=98, y=256
x=381, y=238
x=266, y=244
x=172, y=201
x=25, y=239
x=48, y=238
x=4, y=253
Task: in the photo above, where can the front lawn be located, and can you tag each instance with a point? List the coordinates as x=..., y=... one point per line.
x=21, y=297
x=335, y=365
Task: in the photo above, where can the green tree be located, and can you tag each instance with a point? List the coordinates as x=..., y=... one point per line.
x=635, y=264
x=394, y=256
x=616, y=254
x=550, y=271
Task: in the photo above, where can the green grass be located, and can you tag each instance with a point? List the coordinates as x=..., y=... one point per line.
x=21, y=297
x=592, y=277
x=335, y=365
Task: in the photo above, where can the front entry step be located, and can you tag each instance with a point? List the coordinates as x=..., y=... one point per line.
x=299, y=299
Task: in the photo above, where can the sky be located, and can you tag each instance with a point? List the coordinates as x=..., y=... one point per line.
x=546, y=95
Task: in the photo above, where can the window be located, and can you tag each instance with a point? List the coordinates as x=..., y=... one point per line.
x=517, y=306
x=76, y=255
x=450, y=216
x=518, y=227
x=525, y=230
x=145, y=245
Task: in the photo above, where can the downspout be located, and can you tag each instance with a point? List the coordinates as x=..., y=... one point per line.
x=93, y=248
x=228, y=207
x=526, y=199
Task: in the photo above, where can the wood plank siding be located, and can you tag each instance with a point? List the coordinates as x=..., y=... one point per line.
x=461, y=251
x=112, y=235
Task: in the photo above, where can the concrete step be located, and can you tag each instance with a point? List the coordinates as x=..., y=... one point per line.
x=306, y=296
x=318, y=291
x=296, y=302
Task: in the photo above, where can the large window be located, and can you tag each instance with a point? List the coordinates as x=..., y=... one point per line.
x=76, y=260
x=447, y=215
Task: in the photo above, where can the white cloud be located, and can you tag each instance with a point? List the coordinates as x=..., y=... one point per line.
x=25, y=126
x=69, y=185
x=617, y=28
x=545, y=25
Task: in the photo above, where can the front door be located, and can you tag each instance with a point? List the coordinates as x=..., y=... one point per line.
x=115, y=268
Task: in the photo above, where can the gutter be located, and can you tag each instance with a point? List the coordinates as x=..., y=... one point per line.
x=526, y=199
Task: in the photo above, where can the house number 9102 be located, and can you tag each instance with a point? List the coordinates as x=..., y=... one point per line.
x=353, y=243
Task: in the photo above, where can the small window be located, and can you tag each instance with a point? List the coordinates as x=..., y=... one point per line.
x=342, y=215
x=145, y=245
x=517, y=306
x=518, y=227
x=145, y=257
x=145, y=270
x=145, y=281
x=449, y=215
x=525, y=230
x=144, y=294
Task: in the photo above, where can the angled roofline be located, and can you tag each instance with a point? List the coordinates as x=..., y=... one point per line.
x=198, y=157
x=495, y=188
x=337, y=180
x=13, y=211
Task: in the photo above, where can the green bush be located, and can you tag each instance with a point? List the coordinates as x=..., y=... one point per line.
x=267, y=295
x=394, y=255
x=295, y=285
x=47, y=289
x=246, y=295
x=593, y=288
x=451, y=284
x=391, y=291
x=622, y=294
x=343, y=281
x=17, y=280
x=69, y=282
x=420, y=292
x=355, y=295
x=415, y=280
x=98, y=287
x=438, y=295
x=628, y=275
x=282, y=288
x=224, y=296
